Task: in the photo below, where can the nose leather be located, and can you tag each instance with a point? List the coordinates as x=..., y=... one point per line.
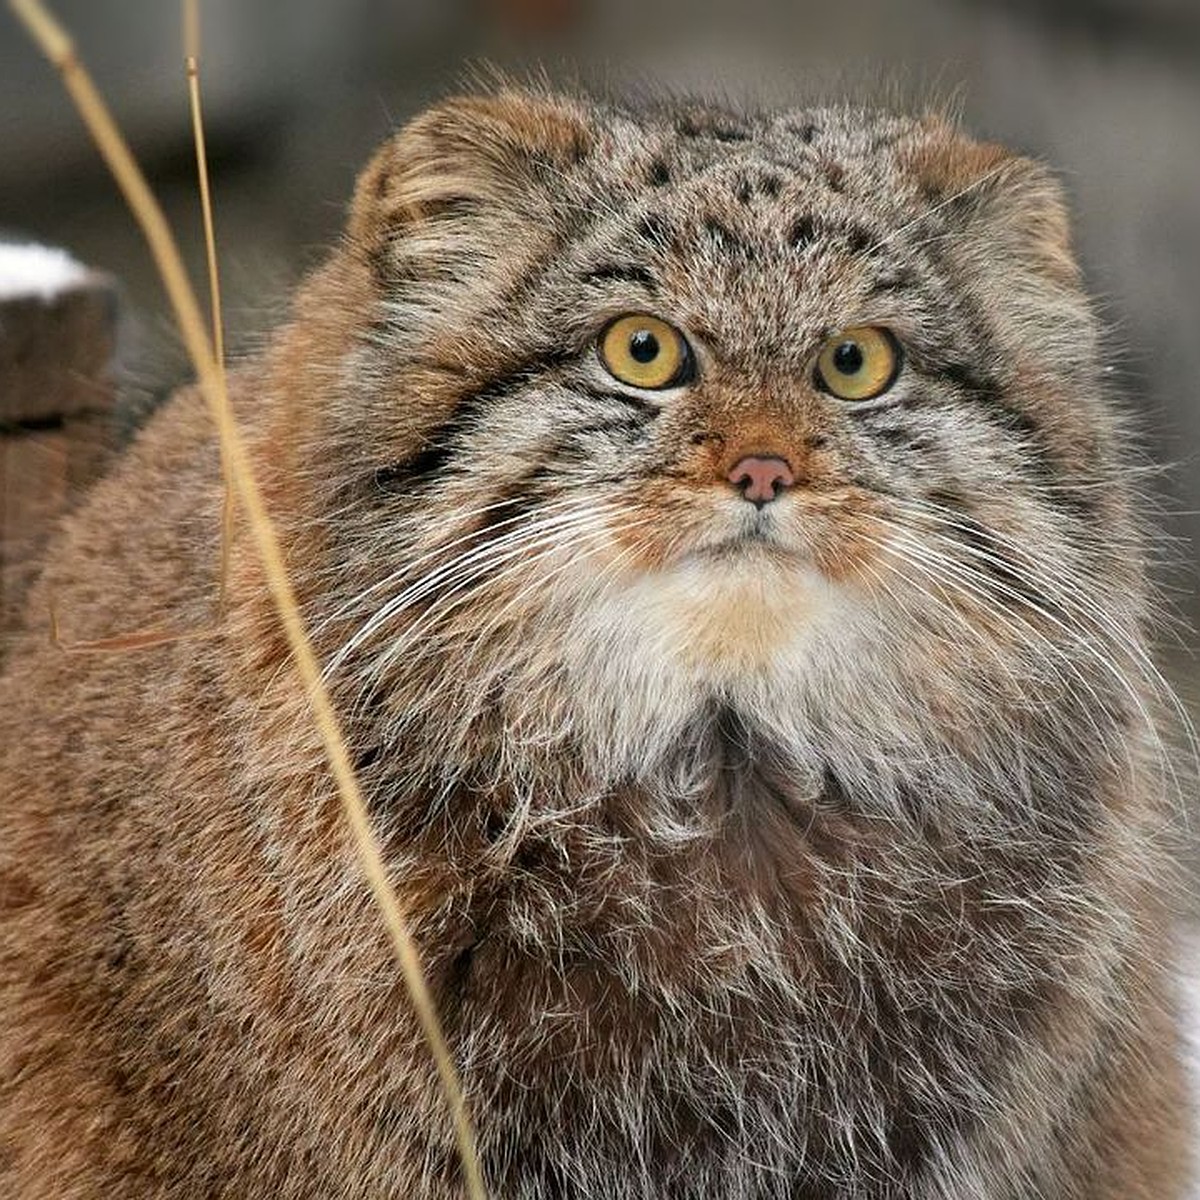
x=760, y=478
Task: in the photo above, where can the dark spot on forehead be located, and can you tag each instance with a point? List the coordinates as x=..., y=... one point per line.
x=751, y=185
x=859, y=239
x=718, y=231
x=802, y=233
x=808, y=132
x=834, y=174
x=896, y=281
x=621, y=273
x=660, y=173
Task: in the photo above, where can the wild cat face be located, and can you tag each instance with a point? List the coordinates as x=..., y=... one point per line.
x=793, y=412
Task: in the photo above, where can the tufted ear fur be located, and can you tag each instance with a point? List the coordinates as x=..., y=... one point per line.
x=1015, y=205
x=471, y=161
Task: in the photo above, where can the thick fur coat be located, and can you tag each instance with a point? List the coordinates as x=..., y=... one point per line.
x=805, y=850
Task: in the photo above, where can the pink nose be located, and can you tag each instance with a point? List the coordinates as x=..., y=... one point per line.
x=760, y=479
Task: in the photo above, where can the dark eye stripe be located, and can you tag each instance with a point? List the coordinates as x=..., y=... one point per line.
x=622, y=273
x=646, y=408
x=522, y=496
x=625, y=422
x=900, y=281
x=517, y=498
x=984, y=398
x=894, y=436
x=443, y=443
x=989, y=396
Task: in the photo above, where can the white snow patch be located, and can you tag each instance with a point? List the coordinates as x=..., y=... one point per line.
x=32, y=270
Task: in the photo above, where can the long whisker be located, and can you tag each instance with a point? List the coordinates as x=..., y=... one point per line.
x=1058, y=661
x=1046, y=577
x=943, y=587
x=459, y=574
x=579, y=553
x=596, y=583
x=441, y=548
x=984, y=589
x=548, y=546
x=938, y=571
x=986, y=584
x=425, y=584
x=423, y=631
x=1066, y=592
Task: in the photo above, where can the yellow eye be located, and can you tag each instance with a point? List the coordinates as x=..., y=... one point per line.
x=645, y=352
x=859, y=363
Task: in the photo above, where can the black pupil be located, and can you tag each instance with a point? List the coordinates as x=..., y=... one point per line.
x=848, y=358
x=643, y=346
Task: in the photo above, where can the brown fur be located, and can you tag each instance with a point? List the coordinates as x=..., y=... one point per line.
x=815, y=876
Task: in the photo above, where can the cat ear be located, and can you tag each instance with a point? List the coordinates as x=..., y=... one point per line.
x=493, y=158
x=1011, y=208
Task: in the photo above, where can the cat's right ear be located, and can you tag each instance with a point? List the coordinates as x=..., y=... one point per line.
x=467, y=174
x=1011, y=209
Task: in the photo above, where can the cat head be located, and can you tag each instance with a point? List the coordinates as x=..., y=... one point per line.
x=653, y=412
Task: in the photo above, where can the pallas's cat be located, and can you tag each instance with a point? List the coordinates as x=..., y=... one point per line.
x=718, y=541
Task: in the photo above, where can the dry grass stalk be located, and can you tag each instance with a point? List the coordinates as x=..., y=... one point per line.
x=191, y=53
x=141, y=639
x=58, y=48
x=144, y=639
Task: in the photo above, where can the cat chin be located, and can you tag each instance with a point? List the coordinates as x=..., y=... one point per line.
x=721, y=618
x=659, y=652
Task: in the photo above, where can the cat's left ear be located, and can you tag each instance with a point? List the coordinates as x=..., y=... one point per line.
x=467, y=171
x=1009, y=207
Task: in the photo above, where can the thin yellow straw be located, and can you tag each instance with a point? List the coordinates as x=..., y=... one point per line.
x=191, y=56
x=58, y=48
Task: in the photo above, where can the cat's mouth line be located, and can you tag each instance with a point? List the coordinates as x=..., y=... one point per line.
x=750, y=543
x=755, y=532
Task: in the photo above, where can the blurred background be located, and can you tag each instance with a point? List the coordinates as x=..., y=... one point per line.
x=298, y=92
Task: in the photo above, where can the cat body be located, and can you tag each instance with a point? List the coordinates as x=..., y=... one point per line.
x=799, y=848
